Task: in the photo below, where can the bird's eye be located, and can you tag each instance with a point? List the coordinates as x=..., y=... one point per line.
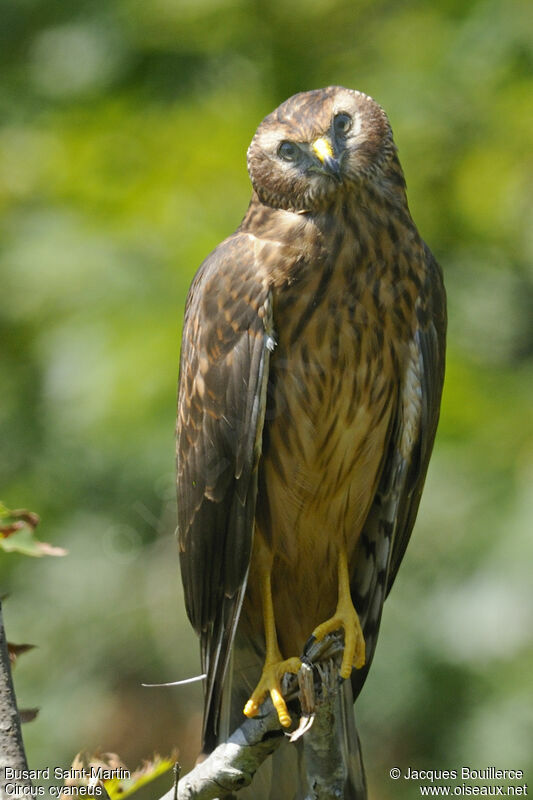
x=342, y=124
x=288, y=151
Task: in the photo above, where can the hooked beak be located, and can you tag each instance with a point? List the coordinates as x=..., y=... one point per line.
x=324, y=152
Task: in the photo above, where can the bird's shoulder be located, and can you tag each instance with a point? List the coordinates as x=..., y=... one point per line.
x=229, y=292
x=230, y=267
x=285, y=241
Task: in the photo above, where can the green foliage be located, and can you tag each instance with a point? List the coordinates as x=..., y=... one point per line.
x=123, y=134
x=17, y=534
x=108, y=771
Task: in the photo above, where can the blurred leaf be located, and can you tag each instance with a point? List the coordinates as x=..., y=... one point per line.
x=148, y=772
x=28, y=714
x=109, y=771
x=22, y=517
x=16, y=650
x=17, y=534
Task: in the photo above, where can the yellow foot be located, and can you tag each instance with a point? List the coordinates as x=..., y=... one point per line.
x=346, y=618
x=271, y=682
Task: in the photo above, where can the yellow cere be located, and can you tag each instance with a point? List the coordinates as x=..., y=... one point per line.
x=323, y=149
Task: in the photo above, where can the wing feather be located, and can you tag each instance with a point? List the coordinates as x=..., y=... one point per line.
x=429, y=352
x=221, y=399
x=392, y=516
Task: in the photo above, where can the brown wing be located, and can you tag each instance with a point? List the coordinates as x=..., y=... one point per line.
x=221, y=397
x=392, y=516
x=430, y=349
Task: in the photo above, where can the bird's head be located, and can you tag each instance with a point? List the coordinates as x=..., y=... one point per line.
x=319, y=144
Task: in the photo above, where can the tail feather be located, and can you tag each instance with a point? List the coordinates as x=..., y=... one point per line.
x=355, y=786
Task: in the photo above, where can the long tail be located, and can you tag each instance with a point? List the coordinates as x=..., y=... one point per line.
x=355, y=786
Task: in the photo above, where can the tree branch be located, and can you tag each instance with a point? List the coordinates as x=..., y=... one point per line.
x=11, y=746
x=233, y=764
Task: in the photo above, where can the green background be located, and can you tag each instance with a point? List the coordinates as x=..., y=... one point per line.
x=123, y=132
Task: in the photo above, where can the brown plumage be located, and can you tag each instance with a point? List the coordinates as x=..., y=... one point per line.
x=311, y=373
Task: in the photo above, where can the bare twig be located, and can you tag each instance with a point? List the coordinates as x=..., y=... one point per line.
x=233, y=764
x=12, y=755
x=177, y=774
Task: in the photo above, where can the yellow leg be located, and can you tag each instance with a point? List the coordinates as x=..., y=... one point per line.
x=345, y=617
x=275, y=667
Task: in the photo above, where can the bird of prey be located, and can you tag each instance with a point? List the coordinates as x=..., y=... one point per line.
x=311, y=372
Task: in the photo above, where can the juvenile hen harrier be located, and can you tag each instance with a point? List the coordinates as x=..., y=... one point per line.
x=311, y=373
